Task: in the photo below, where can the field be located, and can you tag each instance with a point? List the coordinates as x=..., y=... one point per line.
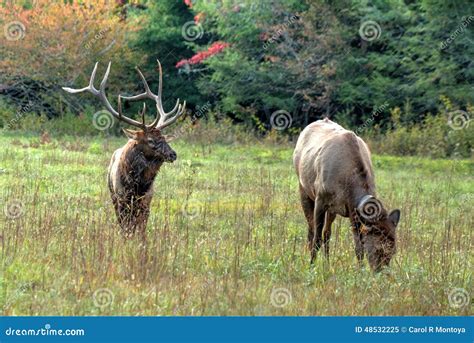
x=226, y=236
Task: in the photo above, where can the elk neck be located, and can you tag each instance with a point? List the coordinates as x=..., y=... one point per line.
x=137, y=170
x=362, y=182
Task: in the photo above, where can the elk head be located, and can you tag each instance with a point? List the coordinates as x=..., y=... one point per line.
x=153, y=144
x=379, y=235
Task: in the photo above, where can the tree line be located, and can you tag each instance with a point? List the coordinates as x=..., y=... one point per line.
x=358, y=62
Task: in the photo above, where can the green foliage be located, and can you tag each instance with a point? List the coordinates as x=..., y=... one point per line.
x=161, y=37
x=433, y=137
x=309, y=58
x=319, y=64
x=21, y=119
x=273, y=62
x=408, y=63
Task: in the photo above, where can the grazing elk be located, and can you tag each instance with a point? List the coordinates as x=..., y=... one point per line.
x=335, y=175
x=134, y=166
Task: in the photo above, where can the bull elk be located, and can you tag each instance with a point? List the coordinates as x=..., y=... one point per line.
x=134, y=166
x=335, y=175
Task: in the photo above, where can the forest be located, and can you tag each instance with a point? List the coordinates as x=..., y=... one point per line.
x=399, y=72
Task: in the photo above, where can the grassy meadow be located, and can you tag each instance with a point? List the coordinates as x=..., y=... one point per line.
x=226, y=235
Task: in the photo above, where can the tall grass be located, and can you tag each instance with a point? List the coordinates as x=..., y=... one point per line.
x=226, y=236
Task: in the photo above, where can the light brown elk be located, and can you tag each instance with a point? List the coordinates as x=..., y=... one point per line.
x=335, y=175
x=134, y=166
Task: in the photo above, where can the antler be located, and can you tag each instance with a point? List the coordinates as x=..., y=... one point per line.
x=162, y=119
x=103, y=97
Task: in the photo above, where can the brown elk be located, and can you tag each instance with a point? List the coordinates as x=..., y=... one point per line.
x=335, y=175
x=134, y=166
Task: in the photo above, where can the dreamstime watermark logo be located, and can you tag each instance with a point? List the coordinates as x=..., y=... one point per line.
x=103, y=120
x=370, y=30
x=20, y=114
x=281, y=120
x=91, y=42
x=467, y=198
x=458, y=120
x=458, y=297
x=14, y=30
x=280, y=297
x=460, y=29
x=191, y=209
x=375, y=113
x=13, y=209
x=370, y=209
x=97, y=37
x=201, y=110
x=17, y=294
x=192, y=31
x=46, y=331
x=280, y=31
x=103, y=297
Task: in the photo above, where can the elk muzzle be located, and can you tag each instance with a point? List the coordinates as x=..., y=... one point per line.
x=171, y=156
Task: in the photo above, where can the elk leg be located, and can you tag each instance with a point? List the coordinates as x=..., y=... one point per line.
x=327, y=231
x=308, y=208
x=319, y=214
x=123, y=216
x=359, y=246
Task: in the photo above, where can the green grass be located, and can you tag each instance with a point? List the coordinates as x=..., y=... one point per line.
x=226, y=231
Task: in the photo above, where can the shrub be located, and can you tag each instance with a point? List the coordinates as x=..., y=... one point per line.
x=433, y=137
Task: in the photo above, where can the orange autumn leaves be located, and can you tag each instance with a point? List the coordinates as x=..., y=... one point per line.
x=58, y=40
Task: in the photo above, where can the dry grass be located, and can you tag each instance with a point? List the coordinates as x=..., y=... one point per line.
x=226, y=235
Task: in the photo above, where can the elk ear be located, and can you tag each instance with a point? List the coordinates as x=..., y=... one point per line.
x=169, y=138
x=131, y=133
x=394, y=217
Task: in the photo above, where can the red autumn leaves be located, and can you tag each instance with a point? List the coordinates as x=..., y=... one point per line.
x=214, y=49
